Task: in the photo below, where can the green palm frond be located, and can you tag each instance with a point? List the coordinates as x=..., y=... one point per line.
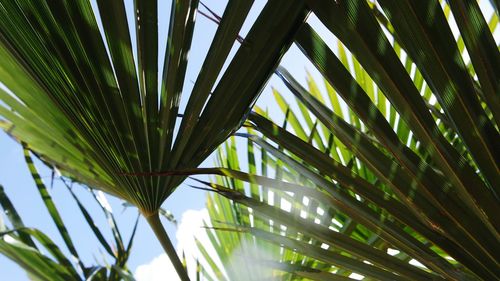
x=409, y=160
x=400, y=152
x=83, y=104
x=99, y=118
x=232, y=226
x=46, y=260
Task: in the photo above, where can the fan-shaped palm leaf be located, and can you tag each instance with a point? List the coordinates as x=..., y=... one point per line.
x=80, y=102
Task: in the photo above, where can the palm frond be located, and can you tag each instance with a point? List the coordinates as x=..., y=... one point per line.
x=107, y=119
x=390, y=158
x=81, y=101
x=18, y=242
x=232, y=228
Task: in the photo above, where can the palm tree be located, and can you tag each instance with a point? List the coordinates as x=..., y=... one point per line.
x=81, y=102
x=397, y=169
x=402, y=160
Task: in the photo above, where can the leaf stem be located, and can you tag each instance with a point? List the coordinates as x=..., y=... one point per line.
x=161, y=234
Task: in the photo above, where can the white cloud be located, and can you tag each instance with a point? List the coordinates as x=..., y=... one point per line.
x=191, y=226
x=159, y=269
